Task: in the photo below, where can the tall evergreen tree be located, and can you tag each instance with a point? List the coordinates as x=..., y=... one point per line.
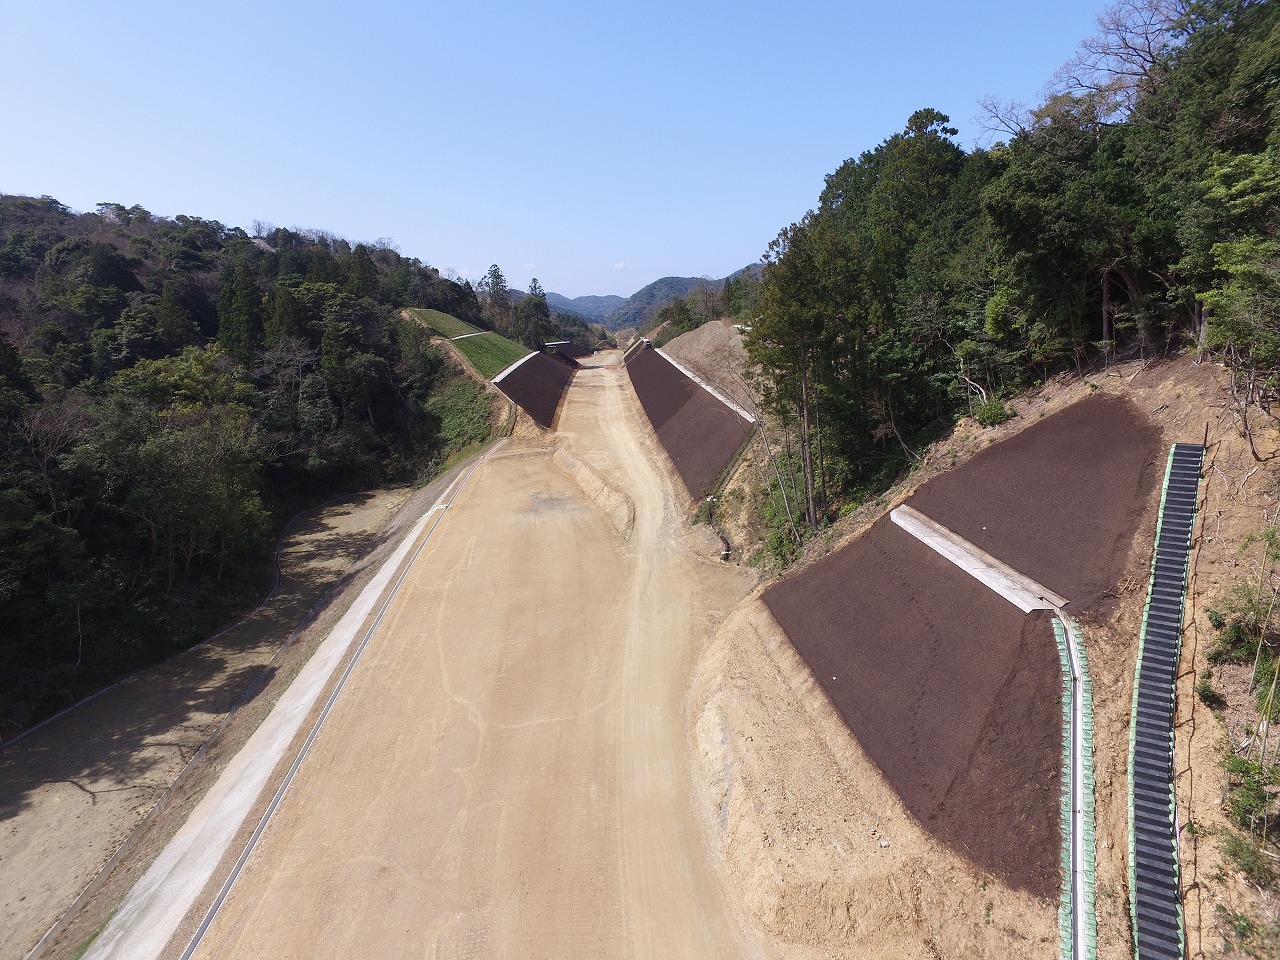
x=240, y=314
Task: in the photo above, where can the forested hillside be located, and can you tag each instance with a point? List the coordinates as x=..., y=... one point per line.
x=1135, y=210
x=170, y=392
x=592, y=308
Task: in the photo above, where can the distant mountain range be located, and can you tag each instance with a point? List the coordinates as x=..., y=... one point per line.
x=616, y=312
x=590, y=308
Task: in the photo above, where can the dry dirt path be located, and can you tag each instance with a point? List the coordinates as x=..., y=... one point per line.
x=74, y=789
x=507, y=771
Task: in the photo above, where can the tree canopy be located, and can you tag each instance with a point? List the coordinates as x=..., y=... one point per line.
x=170, y=391
x=1136, y=209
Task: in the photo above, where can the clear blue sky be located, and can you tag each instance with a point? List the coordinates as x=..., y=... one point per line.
x=592, y=146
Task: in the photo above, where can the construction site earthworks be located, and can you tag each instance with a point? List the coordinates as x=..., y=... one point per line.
x=548, y=720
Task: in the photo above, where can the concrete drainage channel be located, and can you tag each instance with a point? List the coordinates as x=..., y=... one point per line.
x=1155, y=899
x=1077, y=920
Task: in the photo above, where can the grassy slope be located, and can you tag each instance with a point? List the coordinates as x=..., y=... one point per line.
x=489, y=353
x=442, y=323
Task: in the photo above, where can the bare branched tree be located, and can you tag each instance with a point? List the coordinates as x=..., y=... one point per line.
x=48, y=431
x=1126, y=58
x=1103, y=81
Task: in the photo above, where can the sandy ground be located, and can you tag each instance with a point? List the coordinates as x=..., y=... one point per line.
x=72, y=791
x=506, y=772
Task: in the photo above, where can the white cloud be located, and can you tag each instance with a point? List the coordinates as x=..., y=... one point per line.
x=619, y=265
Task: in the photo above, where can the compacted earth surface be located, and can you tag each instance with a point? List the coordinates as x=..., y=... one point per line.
x=505, y=772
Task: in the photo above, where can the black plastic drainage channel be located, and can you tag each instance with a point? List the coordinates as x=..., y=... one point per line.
x=1154, y=899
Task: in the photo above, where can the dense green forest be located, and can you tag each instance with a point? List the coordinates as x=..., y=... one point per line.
x=171, y=392
x=1136, y=210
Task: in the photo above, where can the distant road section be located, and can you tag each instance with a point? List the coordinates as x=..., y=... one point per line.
x=700, y=431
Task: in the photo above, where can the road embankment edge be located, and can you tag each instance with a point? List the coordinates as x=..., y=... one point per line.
x=153, y=910
x=617, y=506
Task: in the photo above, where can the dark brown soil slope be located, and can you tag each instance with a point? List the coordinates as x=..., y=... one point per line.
x=700, y=434
x=573, y=350
x=950, y=689
x=536, y=386
x=1059, y=501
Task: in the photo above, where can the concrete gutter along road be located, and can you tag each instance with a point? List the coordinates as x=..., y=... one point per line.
x=152, y=912
x=505, y=771
x=1027, y=595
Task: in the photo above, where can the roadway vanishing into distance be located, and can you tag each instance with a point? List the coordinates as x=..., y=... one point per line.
x=505, y=772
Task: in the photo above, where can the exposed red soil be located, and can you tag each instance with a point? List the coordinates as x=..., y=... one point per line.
x=951, y=690
x=699, y=433
x=1060, y=501
x=536, y=386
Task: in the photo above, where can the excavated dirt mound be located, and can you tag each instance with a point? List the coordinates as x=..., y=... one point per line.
x=714, y=351
x=952, y=692
x=1059, y=501
x=950, y=689
x=699, y=433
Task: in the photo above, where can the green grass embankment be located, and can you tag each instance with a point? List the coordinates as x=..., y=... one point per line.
x=489, y=353
x=442, y=323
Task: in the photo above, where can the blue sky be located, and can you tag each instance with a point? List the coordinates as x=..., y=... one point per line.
x=594, y=147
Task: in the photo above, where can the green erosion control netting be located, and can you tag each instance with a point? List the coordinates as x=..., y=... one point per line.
x=1155, y=901
x=1069, y=950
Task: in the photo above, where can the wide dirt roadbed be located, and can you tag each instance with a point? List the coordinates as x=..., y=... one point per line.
x=507, y=770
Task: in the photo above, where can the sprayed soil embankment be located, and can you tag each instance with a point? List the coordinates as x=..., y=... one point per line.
x=536, y=386
x=701, y=434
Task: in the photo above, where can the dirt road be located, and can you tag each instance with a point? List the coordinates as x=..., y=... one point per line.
x=507, y=772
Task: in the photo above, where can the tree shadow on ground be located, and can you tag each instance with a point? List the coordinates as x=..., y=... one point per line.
x=140, y=733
